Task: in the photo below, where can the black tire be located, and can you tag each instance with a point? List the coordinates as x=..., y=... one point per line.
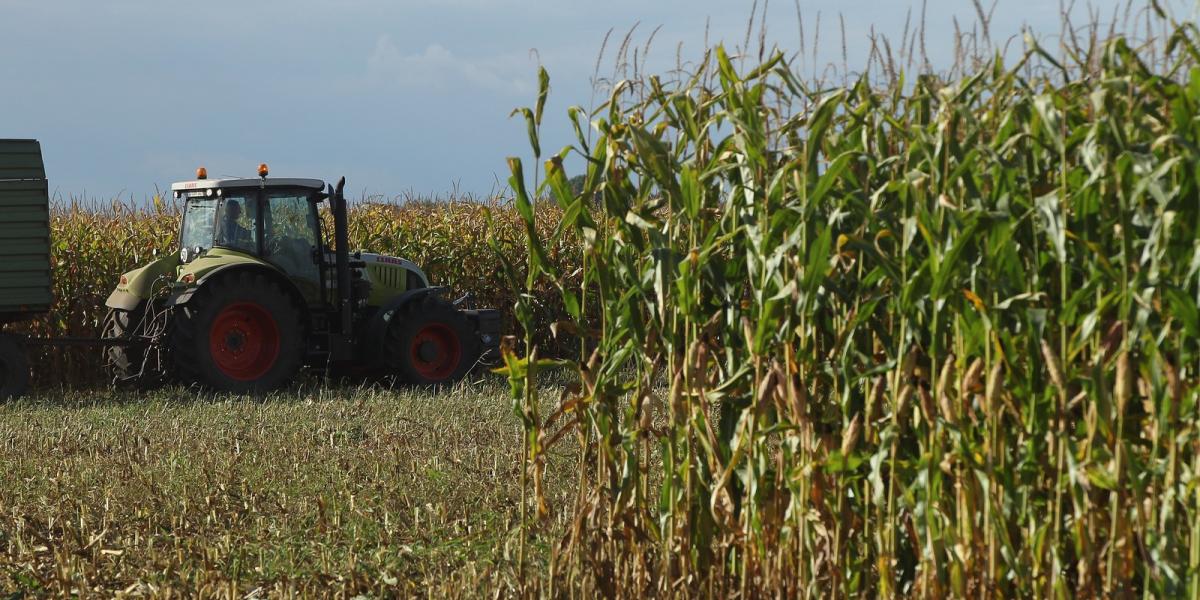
x=124, y=363
x=241, y=333
x=14, y=368
x=422, y=339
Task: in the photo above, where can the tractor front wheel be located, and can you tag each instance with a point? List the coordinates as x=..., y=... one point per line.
x=429, y=342
x=124, y=363
x=241, y=333
x=14, y=368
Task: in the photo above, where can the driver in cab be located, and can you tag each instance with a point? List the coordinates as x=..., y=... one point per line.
x=232, y=233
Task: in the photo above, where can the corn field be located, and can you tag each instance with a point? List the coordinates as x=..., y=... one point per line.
x=932, y=337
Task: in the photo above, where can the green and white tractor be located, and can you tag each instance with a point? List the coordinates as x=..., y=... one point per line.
x=256, y=293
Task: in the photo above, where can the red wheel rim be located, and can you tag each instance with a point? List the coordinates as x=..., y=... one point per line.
x=244, y=341
x=435, y=351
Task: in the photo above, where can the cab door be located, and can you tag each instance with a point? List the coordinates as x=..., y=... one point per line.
x=289, y=237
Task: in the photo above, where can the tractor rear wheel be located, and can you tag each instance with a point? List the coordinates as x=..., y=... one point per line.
x=429, y=342
x=124, y=363
x=14, y=368
x=241, y=333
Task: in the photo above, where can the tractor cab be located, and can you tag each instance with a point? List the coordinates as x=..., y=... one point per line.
x=274, y=220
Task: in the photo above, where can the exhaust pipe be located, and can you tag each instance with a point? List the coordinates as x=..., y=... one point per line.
x=341, y=242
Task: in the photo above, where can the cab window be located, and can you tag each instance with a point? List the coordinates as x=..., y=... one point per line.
x=236, y=216
x=290, y=230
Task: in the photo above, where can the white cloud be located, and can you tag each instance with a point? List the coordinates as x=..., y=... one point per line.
x=437, y=68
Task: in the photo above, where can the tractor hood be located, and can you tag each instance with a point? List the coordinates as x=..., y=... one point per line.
x=390, y=276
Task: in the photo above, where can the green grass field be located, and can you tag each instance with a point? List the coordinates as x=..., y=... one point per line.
x=316, y=491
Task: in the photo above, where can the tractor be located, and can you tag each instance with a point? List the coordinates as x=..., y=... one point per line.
x=255, y=293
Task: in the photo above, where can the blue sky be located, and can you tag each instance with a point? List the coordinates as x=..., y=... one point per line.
x=400, y=96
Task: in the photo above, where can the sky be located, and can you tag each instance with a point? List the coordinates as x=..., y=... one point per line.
x=403, y=97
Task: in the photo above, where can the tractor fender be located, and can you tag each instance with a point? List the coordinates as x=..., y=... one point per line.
x=122, y=300
x=181, y=297
x=374, y=334
x=140, y=284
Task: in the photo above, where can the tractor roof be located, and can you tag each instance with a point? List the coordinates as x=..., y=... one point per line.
x=207, y=184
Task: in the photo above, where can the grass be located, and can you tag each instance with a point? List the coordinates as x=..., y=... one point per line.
x=313, y=491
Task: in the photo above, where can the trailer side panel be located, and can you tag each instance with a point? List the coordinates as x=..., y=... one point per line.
x=25, y=286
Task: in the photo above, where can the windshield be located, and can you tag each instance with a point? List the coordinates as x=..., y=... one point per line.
x=228, y=222
x=199, y=220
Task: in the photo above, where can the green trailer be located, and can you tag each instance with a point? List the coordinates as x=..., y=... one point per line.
x=24, y=232
x=26, y=290
x=25, y=287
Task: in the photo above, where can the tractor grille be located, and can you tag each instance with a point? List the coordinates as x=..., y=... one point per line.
x=388, y=276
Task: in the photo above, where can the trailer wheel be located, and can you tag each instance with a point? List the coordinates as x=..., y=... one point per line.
x=241, y=334
x=14, y=368
x=429, y=342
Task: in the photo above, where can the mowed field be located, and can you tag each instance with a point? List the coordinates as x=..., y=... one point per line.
x=315, y=490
